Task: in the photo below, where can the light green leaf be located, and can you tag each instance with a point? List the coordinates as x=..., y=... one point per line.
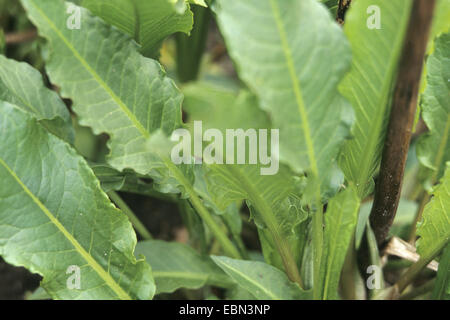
x=53, y=215
x=149, y=22
x=441, y=289
x=340, y=223
x=272, y=199
x=114, y=89
x=262, y=280
x=434, y=229
x=292, y=54
x=433, y=149
x=441, y=22
x=175, y=265
x=22, y=85
x=369, y=83
x=274, y=206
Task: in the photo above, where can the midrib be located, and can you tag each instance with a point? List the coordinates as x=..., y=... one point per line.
x=296, y=87
x=256, y=284
x=369, y=152
x=83, y=253
x=94, y=74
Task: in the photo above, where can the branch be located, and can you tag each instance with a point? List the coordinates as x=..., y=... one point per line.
x=388, y=186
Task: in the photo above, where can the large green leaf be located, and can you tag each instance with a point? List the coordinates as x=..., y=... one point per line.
x=433, y=149
x=23, y=86
x=149, y=22
x=261, y=280
x=53, y=215
x=368, y=84
x=114, y=89
x=274, y=206
x=340, y=223
x=175, y=265
x=292, y=54
x=442, y=287
x=434, y=229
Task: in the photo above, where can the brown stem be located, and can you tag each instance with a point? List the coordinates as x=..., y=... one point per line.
x=342, y=9
x=388, y=186
x=19, y=37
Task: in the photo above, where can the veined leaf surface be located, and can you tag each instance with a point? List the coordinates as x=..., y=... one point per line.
x=369, y=83
x=53, y=215
x=340, y=223
x=434, y=229
x=175, y=265
x=22, y=85
x=113, y=88
x=274, y=206
x=149, y=22
x=292, y=54
x=433, y=148
x=262, y=280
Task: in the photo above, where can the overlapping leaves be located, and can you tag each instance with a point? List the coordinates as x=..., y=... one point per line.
x=54, y=216
x=148, y=22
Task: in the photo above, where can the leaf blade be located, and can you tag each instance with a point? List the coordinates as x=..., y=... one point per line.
x=53, y=163
x=368, y=84
x=260, y=279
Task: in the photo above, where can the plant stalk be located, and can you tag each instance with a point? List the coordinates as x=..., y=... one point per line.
x=388, y=186
x=190, y=48
x=138, y=225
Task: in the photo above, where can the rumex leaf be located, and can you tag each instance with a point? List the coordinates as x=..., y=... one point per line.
x=261, y=280
x=292, y=55
x=175, y=265
x=433, y=149
x=434, y=229
x=148, y=22
x=369, y=83
x=53, y=215
x=340, y=223
x=23, y=86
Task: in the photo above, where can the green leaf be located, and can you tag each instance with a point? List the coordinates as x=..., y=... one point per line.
x=53, y=215
x=175, y=265
x=22, y=85
x=261, y=280
x=272, y=199
x=114, y=89
x=278, y=46
x=340, y=223
x=434, y=229
x=368, y=84
x=148, y=22
x=433, y=149
x=441, y=289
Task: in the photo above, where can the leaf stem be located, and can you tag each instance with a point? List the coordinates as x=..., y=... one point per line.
x=388, y=186
x=190, y=48
x=267, y=216
x=138, y=225
x=204, y=213
x=317, y=226
x=423, y=202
